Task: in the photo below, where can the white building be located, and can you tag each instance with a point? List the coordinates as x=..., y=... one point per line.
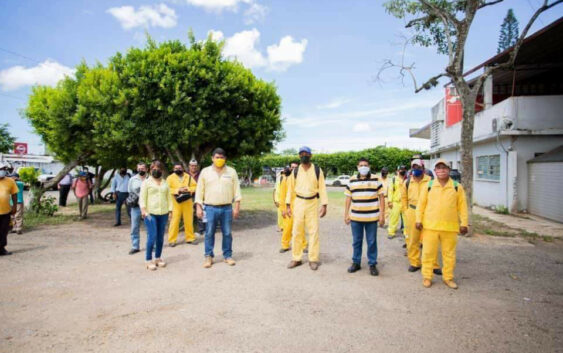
x=45, y=164
x=520, y=119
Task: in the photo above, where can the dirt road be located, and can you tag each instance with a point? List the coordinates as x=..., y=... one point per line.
x=73, y=288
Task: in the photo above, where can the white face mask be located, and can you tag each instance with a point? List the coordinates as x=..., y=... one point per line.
x=363, y=170
x=3, y=173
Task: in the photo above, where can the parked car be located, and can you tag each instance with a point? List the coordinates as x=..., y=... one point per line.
x=44, y=178
x=341, y=180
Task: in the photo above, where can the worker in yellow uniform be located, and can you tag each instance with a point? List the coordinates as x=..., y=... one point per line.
x=280, y=207
x=287, y=220
x=441, y=213
x=182, y=187
x=306, y=186
x=394, y=201
x=410, y=193
x=385, y=182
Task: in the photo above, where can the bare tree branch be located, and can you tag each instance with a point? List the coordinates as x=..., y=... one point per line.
x=489, y=3
x=440, y=12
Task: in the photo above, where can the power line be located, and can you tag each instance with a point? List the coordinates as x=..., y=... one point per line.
x=20, y=55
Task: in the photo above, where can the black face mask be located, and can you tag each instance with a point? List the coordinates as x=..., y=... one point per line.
x=305, y=159
x=287, y=171
x=178, y=172
x=403, y=172
x=156, y=173
x=122, y=172
x=142, y=173
x=384, y=175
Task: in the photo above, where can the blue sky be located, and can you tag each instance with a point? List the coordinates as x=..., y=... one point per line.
x=322, y=55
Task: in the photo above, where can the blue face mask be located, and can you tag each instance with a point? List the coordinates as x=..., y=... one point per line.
x=417, y=172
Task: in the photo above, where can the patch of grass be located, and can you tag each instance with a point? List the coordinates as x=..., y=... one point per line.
x=500, y=209
x=485, y=225
x=68, y=215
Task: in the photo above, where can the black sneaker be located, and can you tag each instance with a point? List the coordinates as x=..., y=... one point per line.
x=437, y=271
x=133, y=251
x=306, y=250
x=355, y=267
x=172, y=245
x=117, y=224
x=404, y=246
x=5, y=252
x=282, y=250
x=373, y=270
x=414, y=268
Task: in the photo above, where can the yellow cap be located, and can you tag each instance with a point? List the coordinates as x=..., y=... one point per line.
x=441, y=161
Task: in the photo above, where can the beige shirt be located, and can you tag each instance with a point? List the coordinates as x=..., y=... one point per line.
x=218, y=188
x=307, y=185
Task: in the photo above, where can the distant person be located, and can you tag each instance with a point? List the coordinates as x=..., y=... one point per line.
x=182, y=187
x=17, y=218
x=134, y=189
x=276, y=194
x=218, y=188
x=64, y=188
x=306, y=185
x=394, y=201
x=8, y=192
x=156, y=206
x=119, y=187
x=365, y=207
x=91, y=177
x=385, y=182
x=441, y=214
x=82, y=187
x=194, y=172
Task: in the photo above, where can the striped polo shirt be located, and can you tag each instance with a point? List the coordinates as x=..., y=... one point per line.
x=365, y=198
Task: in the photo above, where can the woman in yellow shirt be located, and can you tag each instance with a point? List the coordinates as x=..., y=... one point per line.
x=156, y=205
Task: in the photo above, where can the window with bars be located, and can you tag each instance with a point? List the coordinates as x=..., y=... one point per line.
x=488, y=167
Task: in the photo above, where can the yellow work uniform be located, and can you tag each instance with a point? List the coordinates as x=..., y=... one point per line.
x=307, y=192
x=8, y=187
x=409, y=199
x=394, y=198
x=287, y=221
x=180, y=210
x=281, y=206
x=385, y=183
x=441, y=210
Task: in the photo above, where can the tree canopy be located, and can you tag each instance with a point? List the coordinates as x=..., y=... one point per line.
x=508, y=32
x=6, y=139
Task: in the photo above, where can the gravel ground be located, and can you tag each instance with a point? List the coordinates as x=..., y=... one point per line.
x=73, y=288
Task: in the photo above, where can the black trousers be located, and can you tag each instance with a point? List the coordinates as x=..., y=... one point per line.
x=4, y=229
x=63, y=194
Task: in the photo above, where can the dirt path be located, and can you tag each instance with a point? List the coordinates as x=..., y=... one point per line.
x=73, y=288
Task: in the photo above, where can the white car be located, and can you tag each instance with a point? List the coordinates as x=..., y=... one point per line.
x=341, y=180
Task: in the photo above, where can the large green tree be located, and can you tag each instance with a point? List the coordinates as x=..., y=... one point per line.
x=6, y=139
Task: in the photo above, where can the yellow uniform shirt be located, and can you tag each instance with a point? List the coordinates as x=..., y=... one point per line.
x=218, y=188
x=442, y=208
x=394, y=189
x=385, y=184
x=154, y=198
x=409, y=198
x=8, y=188
x=174, y=183
x=283, y=192
x=365, y=198
x=306, y=185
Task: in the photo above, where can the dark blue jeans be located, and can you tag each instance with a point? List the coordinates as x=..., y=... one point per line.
x=121, y=197
x=155, y=225
x=370, y=229
x=222, y=215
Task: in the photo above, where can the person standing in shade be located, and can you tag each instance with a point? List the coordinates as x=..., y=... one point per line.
x=194, y=173
x=82, y=187
x=306, y=186
x=64, y=188
x=17, y=218
x=365, y=207
x=394, y=201
x=8, y=206
x=134, y=189
x=156, y=205
x=441, y=213
x=182, y=187
x=119, y=187
x=217, y=188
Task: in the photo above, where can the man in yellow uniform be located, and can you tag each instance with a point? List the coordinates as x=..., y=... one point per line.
x=306, y=186
x=385, y=182
x=287, y=220
x=410, y=193
x=441, y=213
x=280, y=207
x=182, y=187
x=394, y=201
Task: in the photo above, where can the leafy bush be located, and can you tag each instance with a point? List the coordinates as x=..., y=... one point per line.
x=47, y=205
x=29, y=175
x=501, y=209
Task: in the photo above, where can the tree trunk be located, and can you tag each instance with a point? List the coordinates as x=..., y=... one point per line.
x=36, y=194
x=100, y=172
x=181, y=159
x=467, y=124
x=150, y=150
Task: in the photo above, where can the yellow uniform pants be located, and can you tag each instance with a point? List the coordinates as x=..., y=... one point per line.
x=280, y=219
x=305, y=219
x=183, y=210
x=430, y=241
x=287, y=232
x=394, y=218
x=413, y=239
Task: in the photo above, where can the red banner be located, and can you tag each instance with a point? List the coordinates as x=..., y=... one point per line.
x=20, y=148
x=453, y=107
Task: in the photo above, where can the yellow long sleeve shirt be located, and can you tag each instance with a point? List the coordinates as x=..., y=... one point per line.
x=409, y=198
x=174, y=183
x=306, y=185
x=442, y=208
x=394, y=190
x=155, y=199
x=218, y=188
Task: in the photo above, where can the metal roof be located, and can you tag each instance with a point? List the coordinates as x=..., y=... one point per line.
x=555, y=155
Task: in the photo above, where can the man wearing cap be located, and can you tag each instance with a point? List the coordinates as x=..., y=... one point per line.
x=394, y=200
x=410, y=193
x=182, y=187
x=441, y=213
x=306, y=185
x=8, y=192
x=193, y=171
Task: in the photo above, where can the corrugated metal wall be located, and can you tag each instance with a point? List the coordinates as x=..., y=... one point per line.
x=545, y=195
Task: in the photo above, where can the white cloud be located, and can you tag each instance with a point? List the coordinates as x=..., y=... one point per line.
x=335, y=103
x=146, y=16
x=215, y=5
x=288, y=52
x=361, y=127
x=253, y=13
x=46, y=73
x=243, y=46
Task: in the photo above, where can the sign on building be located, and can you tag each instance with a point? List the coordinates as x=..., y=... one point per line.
x=20, y=148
